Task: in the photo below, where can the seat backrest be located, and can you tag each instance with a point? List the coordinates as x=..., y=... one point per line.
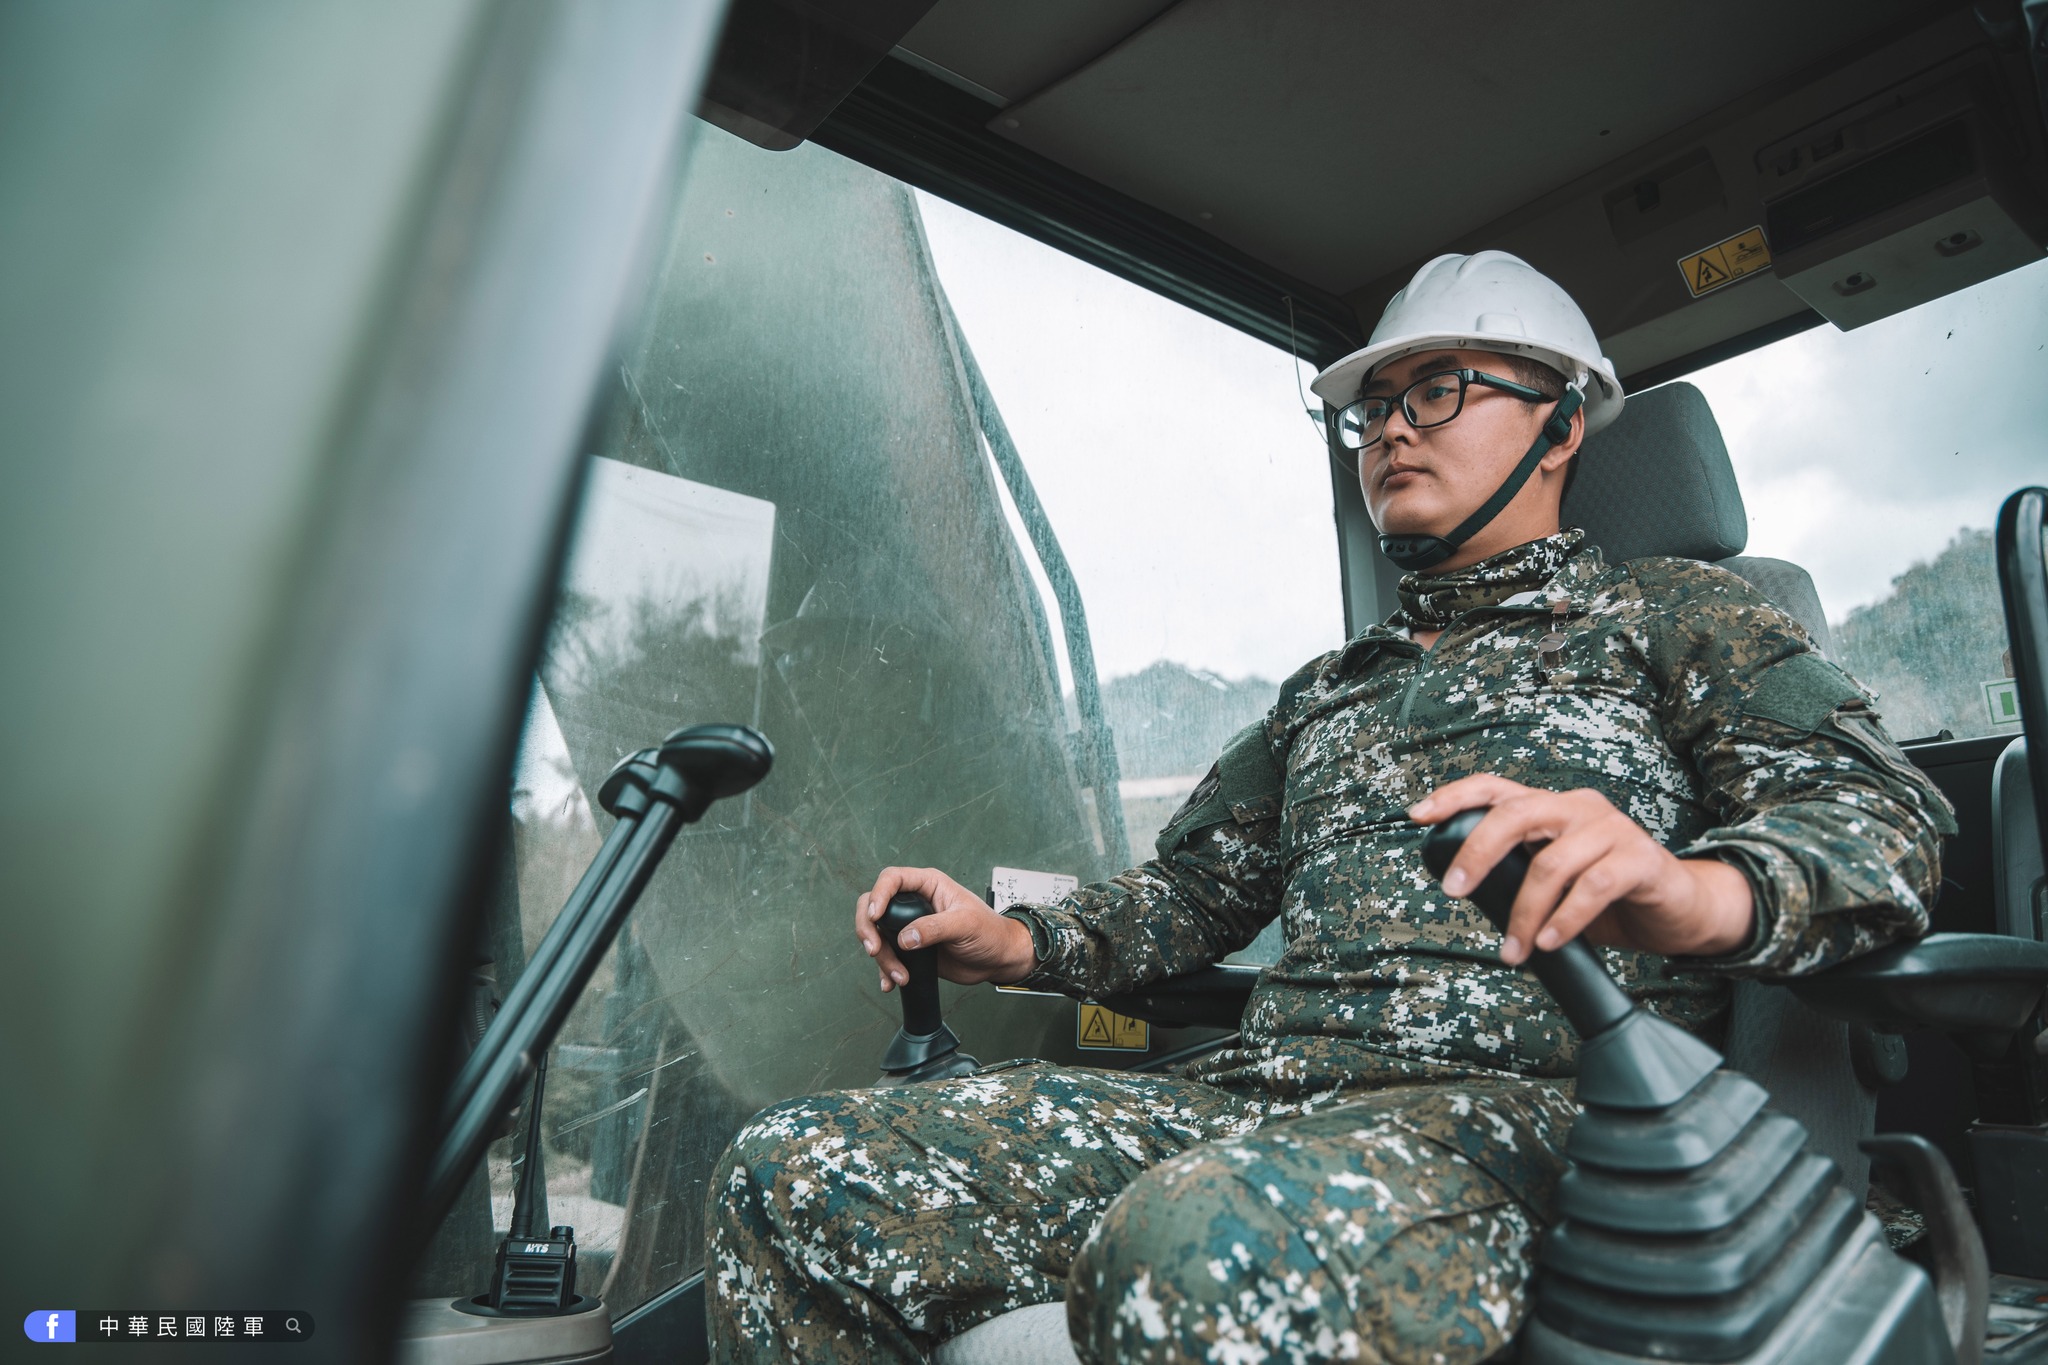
x=1659, y=482
x=2020, y=783
x=2016, y=853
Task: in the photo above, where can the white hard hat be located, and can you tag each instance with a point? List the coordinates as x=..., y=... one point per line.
x=1488, y=301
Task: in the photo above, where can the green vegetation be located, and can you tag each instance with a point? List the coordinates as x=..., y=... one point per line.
x=1928, y=649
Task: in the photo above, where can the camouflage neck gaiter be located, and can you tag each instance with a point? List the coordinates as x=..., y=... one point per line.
x=1430, y=601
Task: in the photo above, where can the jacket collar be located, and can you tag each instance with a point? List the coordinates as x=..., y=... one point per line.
x=1433, y=601
x=1562, y=565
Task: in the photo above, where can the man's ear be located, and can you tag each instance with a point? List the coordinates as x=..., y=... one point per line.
x=1555, y=458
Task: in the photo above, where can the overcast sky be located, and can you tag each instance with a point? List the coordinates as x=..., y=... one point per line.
x=1862, y=452
x=1189, y=489
x=1192, y=494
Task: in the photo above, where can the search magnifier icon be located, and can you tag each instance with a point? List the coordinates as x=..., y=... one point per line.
x=291, y=1325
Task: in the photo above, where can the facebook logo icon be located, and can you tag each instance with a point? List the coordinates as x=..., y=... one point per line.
x=45, y=1325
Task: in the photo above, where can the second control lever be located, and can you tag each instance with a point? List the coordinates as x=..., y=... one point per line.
x=924, y=1049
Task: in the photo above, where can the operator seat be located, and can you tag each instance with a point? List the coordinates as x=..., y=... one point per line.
x=1656, y=482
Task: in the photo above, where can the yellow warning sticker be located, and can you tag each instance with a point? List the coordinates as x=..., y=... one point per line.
x=1105, y=1028
x=1725, y=262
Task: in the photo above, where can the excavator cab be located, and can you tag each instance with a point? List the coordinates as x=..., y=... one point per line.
x=438, y=427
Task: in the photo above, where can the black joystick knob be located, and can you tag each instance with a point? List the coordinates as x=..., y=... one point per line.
x=692, y=768
x=1572, y=975
x=716, y=761
x=924, y=1049
x=921, y=993
x=1631, y=1060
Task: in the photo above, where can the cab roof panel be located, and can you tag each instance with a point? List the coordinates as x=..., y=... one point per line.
x=1338, y=142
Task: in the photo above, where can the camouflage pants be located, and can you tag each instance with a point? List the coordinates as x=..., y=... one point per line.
x=1176, y=1220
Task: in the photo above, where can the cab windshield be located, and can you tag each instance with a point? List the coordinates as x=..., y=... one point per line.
x=1876, y=460
x=998, y=548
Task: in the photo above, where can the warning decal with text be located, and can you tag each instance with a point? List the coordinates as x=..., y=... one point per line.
x=1725, y=262
x=1008, y=886
x=1105, y=1028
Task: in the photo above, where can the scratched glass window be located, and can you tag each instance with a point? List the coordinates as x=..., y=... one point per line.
x=810, y=509
x=1890, y=505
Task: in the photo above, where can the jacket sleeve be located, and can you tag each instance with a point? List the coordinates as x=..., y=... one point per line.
x=1214, y=883
x=1837, y=832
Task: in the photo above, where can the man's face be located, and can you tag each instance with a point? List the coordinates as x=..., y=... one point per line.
x=1426, y=482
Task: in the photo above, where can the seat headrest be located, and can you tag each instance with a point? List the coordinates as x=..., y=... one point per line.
x=1658, y=482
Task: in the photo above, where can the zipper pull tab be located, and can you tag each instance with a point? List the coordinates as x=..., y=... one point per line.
x=1550, y=649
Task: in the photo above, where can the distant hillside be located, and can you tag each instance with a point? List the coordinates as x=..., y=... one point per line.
x=1170, y=722
x=1170, y=719
x=1928, y=649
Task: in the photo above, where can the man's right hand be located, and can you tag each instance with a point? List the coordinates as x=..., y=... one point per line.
x=975, y=943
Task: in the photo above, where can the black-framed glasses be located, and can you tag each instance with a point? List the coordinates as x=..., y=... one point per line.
x=1430, y=401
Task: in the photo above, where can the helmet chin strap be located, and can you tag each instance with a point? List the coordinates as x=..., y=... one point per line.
x=1426, y=552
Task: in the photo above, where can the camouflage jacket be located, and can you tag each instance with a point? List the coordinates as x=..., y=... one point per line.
x=1698, y=708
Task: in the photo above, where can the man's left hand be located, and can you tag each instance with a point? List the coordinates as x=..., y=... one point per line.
x=1597, y=872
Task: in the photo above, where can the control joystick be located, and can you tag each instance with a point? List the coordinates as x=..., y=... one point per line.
x=1630, y=1059
x=1694, y=1223
x=924, y=1049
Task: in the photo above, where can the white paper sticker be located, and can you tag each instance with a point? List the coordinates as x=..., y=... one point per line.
x=1010, y=886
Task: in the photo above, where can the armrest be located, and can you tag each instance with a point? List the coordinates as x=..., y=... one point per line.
x=1988, y=985
x=1213, y=997
x=1953, y=983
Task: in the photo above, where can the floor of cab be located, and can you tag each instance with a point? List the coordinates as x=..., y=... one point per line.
x=2019, y=1321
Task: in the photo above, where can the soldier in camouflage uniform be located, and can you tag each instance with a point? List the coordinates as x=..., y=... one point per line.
x=1361, y=1177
